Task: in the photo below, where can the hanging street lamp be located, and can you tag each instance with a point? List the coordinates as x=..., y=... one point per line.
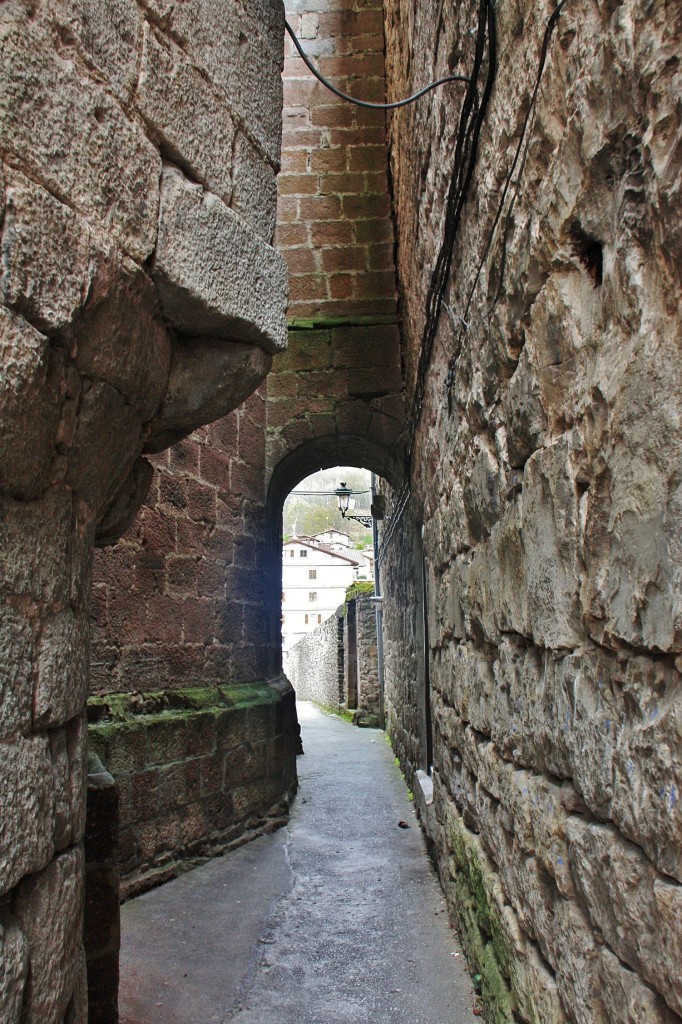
x=346, y=502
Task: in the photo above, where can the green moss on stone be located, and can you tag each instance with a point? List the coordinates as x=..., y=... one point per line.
x=338, y=712
x=130, y=731
x=323, y=323
x=483, y=935
x=125, y=707
x=494, y=989
x=358, y=589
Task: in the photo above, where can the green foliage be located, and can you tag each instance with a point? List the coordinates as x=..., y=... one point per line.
x=358, y=589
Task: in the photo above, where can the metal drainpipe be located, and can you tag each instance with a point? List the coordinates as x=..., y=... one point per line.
x=378, y=611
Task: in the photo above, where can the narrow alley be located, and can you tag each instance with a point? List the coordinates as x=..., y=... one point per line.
x=336, y=919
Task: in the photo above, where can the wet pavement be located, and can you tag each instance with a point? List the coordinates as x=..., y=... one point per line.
x=336, y=919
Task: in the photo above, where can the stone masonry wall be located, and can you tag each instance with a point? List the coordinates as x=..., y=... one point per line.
x=546, y=479
x=318, y=664
x=315, y=664
x=368, y=669
x=138, y=145
x=333, y=223
x=198, y=770
x=182, y=599
x=336, y=396
x=178, y=601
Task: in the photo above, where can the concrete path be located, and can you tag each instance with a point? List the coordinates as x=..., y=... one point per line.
x=336, y=919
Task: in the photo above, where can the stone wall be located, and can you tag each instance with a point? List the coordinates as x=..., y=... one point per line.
x=189, y=596
x=178, y=602
x=320, y=665
x=333, y=222
x=545, y=476
x=198, y=770
x=315, y=664
x=138, y=151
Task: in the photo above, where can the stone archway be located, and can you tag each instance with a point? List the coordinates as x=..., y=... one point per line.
x=320, y=453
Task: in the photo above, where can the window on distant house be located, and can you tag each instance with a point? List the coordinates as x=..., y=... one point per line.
x=312, y=596
x=303, y=553
x=319, y=619
x=312, y=574
x=306, y=619
x=292, y=553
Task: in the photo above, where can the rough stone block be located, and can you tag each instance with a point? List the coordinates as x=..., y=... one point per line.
x=17, y=656
x=166, y=741
x=186, y=114
x=214, y=276
x=68, y=753
x=14, y=960
x=27, y=823
x=72, y=136
x=36, y=279
x=35, y=546
x=254, y=195
x=625, y=996
x=121, y=747
x=229, y=45
x=507, y=559
x=637, y=910
x=108, y=36
x=208, y=379
x=62, y=677
x=121, y=340
x=482, y=492
x=31, y=396
x=96, y=471
x=551, y=538
x=633, y=585
x=618, y=725
x=524, y=418
x=49, y=909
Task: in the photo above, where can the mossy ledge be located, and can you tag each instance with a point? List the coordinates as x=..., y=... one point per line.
x=361, y=588
x=115, y=708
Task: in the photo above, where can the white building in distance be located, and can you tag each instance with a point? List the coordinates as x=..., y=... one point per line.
x=339, y=541
x=315, y=578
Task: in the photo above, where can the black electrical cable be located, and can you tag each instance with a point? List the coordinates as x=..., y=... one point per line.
x=551, y=25
x=523, y=144
x=365, y=103
x=466, y=151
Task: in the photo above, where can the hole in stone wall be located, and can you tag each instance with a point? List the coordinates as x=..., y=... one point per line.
x=590, y=253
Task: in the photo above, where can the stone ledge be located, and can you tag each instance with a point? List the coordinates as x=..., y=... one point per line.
x=199, y=771
x=423, y=798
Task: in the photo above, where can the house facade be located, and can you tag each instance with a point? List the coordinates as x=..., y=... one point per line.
x=314, y=582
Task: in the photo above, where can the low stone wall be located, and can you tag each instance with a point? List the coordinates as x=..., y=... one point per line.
x=198, y=771
x=315, y=664
x=336, y=664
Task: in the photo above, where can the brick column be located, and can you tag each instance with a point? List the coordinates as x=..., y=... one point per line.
x=334, y=227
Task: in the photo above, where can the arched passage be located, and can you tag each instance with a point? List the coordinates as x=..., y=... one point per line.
x=321, y=453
